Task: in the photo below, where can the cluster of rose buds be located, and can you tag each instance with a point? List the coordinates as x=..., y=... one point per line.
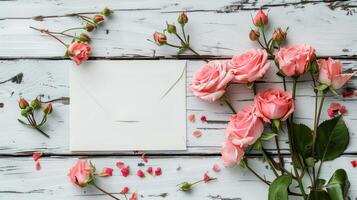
x=28, y=111
x=160, y=38
x=79, y=49
x=260, y=20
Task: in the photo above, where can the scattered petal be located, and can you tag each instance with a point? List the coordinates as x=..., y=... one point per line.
x=216, y=167
x=125, y=171
x=134, y=196
x=197, y=133
x=203, y=118
x=192, y=118
x=125, y=190
x=336, y=109
x=347, y=93
x=106, y=171
x=354, y=163
x=158, y=171
x=178, y=168
x=144, y=158
x=38, y=166
x=36, y=155
x=140, y=173
x=120, y=164
x=149, y=170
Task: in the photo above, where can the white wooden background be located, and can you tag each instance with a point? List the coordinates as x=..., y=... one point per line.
x=217, y=28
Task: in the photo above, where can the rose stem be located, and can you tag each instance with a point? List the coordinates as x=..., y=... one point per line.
x=225, y=99
x=70, y=29
x=47, y=32
x=189, y=48
x=105, y=192
x=258, y=176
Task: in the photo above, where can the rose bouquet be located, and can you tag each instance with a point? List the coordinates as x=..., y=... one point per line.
x=272, y=112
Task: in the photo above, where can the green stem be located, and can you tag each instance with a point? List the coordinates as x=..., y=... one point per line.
x=281, y=159
x=70, y=29
x=183, y=33
x=267, y=158
x=189, y=48
x=50, y=34
x=225, y=99
x=39, y=130
x=258, y=176
x=254, y=87
x=171, y=45
x=105, y=192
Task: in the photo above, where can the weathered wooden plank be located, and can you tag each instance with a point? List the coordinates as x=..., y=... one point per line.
x=20, y=180
x=50, y=79
x=217, y=28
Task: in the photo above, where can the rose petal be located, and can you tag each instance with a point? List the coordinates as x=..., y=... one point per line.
x=149, y=170
x=140, y=173
x=203, y=118
x=354, y=163
x=216, y=168
x=197, y=133
x=38, y=166
x=134, y=196
x=158, y=171
x=120, y=164
x=192, y=118
x=125, y=171
x=106, y=171
x=36, y=155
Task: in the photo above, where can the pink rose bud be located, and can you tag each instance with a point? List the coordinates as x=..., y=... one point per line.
x=48, y=108
x=89, y=27
x=81, y=173
x=254, y=35
x=182, y=19
x=260, y=19
x=23, y=103
x=98, y=19
x=279, y=35
x=79, y=52
x=106, y=12
x=331, y=73
x=84, y=37
x=159, y=38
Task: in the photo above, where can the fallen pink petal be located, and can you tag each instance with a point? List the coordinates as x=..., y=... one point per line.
x=149, y=170
x=125, y=190
x=216, y=167
x=158, y=171
x=38, y=165
x=197, y=133
x=106, y=171
x=140, y=173
x=203, y=118
x=354, y=163
x=134, y=196
x=144, y=158
x=192, y=118
x=125, y=171
x=36, y=155
x=120, y=164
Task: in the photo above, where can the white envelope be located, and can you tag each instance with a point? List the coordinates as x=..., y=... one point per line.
x=128, y=105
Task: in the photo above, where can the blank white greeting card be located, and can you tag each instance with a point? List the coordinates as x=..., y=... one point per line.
x=128, y=105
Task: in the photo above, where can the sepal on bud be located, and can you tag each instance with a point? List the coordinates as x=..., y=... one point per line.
x=84, y=37
x=48, y=108
x=171, y=28
x=107, y=12
x=185, y=186
x=182, y=19
x=35, y=103
x=279, y=36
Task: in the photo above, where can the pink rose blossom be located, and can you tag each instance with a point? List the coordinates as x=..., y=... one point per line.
x=210, y=81
x=336, y=108
x=249, y=66
x=331, y=73
x=293, y=61
x=81, y=173
x=79, y=52
x=231, y=154
x=245, y=127
x=274, y=104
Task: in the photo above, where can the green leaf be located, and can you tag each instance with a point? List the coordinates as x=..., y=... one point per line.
x=333, y=91
x=318, y=195
x=303, y=139
x=267, y=136
x=278, y=190
x=332, y=138
x=338, y=185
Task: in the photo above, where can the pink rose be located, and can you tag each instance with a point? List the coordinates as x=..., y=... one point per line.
x=294, y=60
x=81, y=173
x=79, y=52
x=159, y=38
x=231, y=154
x=210, y=81
x=274, y=104
x=331, y=73
x=260, y=18
x=249, y=66
x=245, y=127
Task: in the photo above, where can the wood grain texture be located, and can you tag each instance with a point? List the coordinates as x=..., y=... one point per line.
x=20, y=180
x=217, y=28
x=50, y=80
